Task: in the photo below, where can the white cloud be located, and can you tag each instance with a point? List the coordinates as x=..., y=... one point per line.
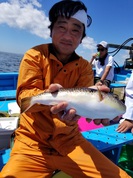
x=89, y=43
x=25, y=14
x=126, y=54
x=28, y=15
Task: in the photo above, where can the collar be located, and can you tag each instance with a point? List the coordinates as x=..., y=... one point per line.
x=73, y=57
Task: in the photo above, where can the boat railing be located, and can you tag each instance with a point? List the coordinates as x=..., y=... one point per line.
x=8, y=81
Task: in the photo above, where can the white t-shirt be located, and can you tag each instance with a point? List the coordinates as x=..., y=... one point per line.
x=109, y=61
x=129, y=99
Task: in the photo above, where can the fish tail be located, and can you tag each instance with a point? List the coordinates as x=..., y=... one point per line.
x=25, y=104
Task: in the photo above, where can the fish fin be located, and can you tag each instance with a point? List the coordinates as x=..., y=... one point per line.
x=100, y=94
x=25, y=104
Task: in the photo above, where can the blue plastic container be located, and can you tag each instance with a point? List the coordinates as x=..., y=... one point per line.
x=4, y=156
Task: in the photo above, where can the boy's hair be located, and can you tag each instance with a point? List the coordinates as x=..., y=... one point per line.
x=67, y=8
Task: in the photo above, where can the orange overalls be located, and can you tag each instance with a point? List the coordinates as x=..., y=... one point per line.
x=43, y=143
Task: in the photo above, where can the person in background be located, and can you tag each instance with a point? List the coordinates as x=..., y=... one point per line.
x=104, y=65
x=127, y=122
x=48, y=138
x=128, y=63
x=131, y=52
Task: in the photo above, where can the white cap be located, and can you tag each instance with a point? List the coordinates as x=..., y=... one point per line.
x=103, y=43
x=81, y=15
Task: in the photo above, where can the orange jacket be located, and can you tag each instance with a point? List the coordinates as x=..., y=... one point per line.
x=38, y=69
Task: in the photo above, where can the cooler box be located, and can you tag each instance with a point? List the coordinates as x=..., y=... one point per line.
x=7, y=127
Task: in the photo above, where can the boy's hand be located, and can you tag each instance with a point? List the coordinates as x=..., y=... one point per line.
x=125, y=126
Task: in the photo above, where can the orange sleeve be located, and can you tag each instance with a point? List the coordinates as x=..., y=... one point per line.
x=30, y=81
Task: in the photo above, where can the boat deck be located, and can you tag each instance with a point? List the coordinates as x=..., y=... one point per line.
x=108, y=140
x=7, y=95
x=105, y=139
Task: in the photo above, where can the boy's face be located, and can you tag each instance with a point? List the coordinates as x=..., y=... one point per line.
x=67, y=35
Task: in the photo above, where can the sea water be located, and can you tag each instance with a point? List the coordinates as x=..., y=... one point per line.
x=9, y=62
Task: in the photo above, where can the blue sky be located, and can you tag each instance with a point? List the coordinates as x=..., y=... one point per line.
x=23, y=24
